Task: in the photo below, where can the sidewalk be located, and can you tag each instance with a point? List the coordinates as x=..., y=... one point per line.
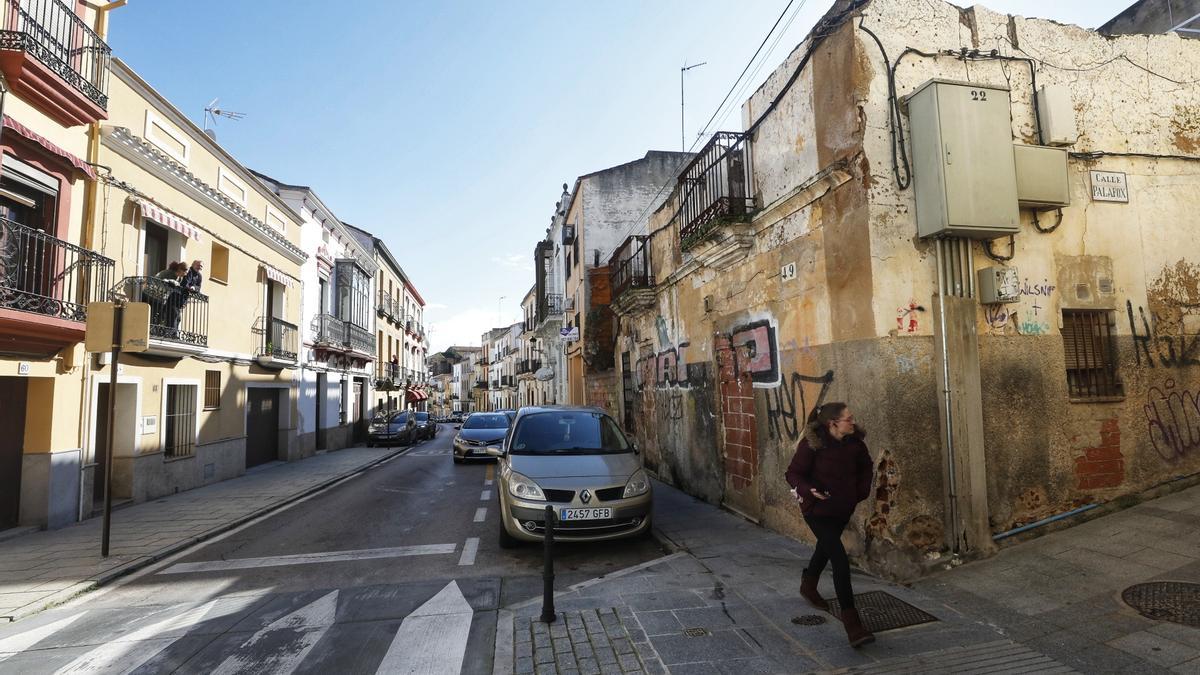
x=728, y=602
x=45, y=568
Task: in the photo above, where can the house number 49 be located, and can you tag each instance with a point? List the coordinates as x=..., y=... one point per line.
x=787, y=272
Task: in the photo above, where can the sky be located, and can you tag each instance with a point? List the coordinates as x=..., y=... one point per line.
x=448, y=127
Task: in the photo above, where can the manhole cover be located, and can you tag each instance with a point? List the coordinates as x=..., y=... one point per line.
x=695, y=632
x=808, y=620
x=1174, y=601
x=881, y=611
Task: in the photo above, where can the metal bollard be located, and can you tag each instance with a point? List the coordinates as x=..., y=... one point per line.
x=548, y=614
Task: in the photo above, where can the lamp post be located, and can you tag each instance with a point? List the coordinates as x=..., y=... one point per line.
x=682, y=134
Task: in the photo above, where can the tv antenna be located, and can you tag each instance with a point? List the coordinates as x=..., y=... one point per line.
x=212, y=112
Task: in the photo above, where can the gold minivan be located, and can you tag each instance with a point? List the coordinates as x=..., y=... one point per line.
x=577, y=461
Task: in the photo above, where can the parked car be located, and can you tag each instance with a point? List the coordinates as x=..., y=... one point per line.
x=426, y=427
x=577, y=460
x=480, y=430
x=392, y=428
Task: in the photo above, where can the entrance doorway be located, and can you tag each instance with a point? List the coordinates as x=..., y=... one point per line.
x=262, y=426
x=125, y=417
x=322, y=385
x=13, y=391
x=359, y=417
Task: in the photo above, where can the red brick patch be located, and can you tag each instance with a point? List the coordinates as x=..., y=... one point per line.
x=1102, y=466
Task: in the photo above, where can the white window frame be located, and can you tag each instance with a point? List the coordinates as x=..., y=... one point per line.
x=162, y=414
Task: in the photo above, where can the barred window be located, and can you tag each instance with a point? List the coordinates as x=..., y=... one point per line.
x=1090, y=354
x=212, y=389
x=180, y=440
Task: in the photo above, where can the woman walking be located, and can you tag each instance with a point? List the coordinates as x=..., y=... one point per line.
x=830, y=474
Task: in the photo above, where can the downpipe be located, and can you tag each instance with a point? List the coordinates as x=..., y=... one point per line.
x=1043, y=521
x=947, y=398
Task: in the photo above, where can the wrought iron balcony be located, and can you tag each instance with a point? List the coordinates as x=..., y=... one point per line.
x=388, y=376
x=495, y=384
x=568, y=235
x=360, y=339
x=279, y=340
x=177, y=315
x=523, y=366
x=481, y=384
x=385, y=306
x=62, y=46
x=45, y=275
x=715, y=185
x=630, y=265
x=550, y=305
x=328, y=331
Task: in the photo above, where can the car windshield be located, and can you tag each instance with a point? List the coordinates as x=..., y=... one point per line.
x=422, y=417
x=568, y=432
x=488, y=421
x=400, y=418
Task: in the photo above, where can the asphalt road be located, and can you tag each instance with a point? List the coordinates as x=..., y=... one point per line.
x=397, y=569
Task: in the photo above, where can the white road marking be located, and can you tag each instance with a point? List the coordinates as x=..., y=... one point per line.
x=487, y=482
x=433, y=639
x=310, y=558
x=469, y=550
x=485, y=495
x=128, y=652
x=480, y=514
x=309, y=623
x=21, y=641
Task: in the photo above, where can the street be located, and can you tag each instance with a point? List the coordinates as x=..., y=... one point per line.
x=397, y=569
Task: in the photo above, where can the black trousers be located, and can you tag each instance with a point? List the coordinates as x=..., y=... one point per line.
x=828, y=531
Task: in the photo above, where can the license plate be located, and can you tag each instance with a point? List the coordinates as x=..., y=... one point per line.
x=585, y=514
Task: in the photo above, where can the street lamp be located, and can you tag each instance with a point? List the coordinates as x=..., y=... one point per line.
x=682, y=135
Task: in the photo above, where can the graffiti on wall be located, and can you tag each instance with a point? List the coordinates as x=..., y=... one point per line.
x=788, y=406
x=752, y=350
x=908, y=313
x=1173, y=420
x=1169, y=351
x=665, y=369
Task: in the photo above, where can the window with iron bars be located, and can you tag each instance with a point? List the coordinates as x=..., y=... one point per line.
x=180, y=421
x=1090, y=351
x=212, y=389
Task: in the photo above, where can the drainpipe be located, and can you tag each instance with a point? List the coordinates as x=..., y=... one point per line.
x=948, y=399
x=1043, y=521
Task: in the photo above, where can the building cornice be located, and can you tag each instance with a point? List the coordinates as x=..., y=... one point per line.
x=139, y=151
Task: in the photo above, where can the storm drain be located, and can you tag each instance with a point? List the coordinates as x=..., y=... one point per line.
x=881, y=611
x=695, y=632
x=808, y=620
x=1174, y=601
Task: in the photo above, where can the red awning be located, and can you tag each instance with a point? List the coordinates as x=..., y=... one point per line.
x=41, y=140
x=158, y=214
x=415, y=395
x=277, y=276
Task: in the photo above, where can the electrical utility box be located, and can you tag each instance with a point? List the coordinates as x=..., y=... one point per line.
x=1056, y=115
x=1041, y=177
x=963, y=168
x=995, y=285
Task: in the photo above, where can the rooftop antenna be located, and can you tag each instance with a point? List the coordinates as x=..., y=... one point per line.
x=212, y=112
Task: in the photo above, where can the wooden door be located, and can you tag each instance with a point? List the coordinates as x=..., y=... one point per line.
x=12, y=444
x=262, y=426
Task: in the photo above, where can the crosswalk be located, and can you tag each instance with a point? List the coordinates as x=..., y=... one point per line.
x=428, y=452
x=266, y=633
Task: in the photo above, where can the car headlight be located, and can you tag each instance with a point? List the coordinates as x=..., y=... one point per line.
x=639, y=484
x=522, y=487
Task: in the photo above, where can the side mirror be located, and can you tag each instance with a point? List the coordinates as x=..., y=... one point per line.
x=635, y=448
x=495, y=451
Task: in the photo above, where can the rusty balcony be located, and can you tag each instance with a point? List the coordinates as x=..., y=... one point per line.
x=715, y=187
x=53, y=59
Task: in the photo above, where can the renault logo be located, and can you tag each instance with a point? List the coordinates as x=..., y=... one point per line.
x=585, y=497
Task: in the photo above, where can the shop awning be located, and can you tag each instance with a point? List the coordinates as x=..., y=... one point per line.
x=277, y=276
x=415, y=395
x=50, y=147
x=163, y=217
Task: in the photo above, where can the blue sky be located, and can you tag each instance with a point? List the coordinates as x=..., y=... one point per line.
x=447, y=128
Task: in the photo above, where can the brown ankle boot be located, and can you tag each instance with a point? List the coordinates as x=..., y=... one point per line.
x=808, y=591
x=856, y=633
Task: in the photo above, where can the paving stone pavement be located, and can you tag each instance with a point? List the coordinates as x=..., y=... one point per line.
x=44, y=568
x=726, y=600
x=584, y=642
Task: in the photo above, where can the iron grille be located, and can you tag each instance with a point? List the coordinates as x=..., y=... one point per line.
x=180, y=418
x=715, y=184
x=1090, y=352
x=52, y=33
x=630, y=265
x=46, y=275
x=279, y=338
x=176, y=314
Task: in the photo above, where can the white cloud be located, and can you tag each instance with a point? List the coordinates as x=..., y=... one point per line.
x=436, y=305
x=464, y=328
x=515, y=261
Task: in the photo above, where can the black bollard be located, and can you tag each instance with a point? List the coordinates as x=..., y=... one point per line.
x=548, y=614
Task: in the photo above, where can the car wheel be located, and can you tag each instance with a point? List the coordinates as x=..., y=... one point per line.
x=506, y=540
x=457, y=459
x=370, y=444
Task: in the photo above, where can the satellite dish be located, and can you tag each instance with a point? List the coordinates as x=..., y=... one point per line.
x=544, y=374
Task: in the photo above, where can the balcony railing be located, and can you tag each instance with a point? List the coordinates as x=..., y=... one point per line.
x=495, y=384
x=52, y=33
x=523, y=366
x=176, y=314
x=279, y=339
x=328, y=330
x=550, y=305
x=388, y=376
x=715, y=184
x=48, y=276
x=360, y=339
x=630, y=265
x=481, y=384
x=385, y=306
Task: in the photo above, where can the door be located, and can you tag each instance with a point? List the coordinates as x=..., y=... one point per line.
x=322, y=383
x=99, y=476
x=359, y=415
x=627, y=391
x=12, y=444
x=262, y=426
x=155, y=257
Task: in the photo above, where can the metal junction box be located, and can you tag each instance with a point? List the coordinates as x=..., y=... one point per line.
x=1056, y=115
x=997, y=284
x=1041, y=176
x=963, y=168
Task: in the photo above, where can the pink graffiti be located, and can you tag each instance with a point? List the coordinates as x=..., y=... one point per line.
x=910, y=313
x=754, y=349
x=1173, y=420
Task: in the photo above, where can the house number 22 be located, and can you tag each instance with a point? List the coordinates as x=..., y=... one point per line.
x=978, y=95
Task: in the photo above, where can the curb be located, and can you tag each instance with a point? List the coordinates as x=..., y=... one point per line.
x=132, y=566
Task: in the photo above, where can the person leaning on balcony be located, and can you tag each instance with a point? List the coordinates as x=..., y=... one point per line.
x=162, y=297
x=830, y=474
x=194, y=277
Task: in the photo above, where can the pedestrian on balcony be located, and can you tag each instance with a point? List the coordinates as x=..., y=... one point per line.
x=830, y=474
x=164, y=297
x=194, y=277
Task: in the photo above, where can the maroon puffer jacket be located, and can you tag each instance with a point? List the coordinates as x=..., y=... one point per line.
x=843, y=468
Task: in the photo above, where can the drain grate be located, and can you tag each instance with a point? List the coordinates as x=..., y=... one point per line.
x=695, y=632
x=1174, y=601
x=881, y=611
x=808, y=620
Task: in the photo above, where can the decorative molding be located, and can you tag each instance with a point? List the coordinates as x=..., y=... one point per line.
x=232, y=187
x=161, y=135
x=275, y=219
x=150, y=158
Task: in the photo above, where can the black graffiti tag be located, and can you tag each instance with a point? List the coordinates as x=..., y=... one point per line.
x=785, y=414
x=1180, y=350
x=1173, y=421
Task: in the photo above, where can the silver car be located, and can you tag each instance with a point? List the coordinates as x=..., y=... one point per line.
x=479, y=431
x=577, y=461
